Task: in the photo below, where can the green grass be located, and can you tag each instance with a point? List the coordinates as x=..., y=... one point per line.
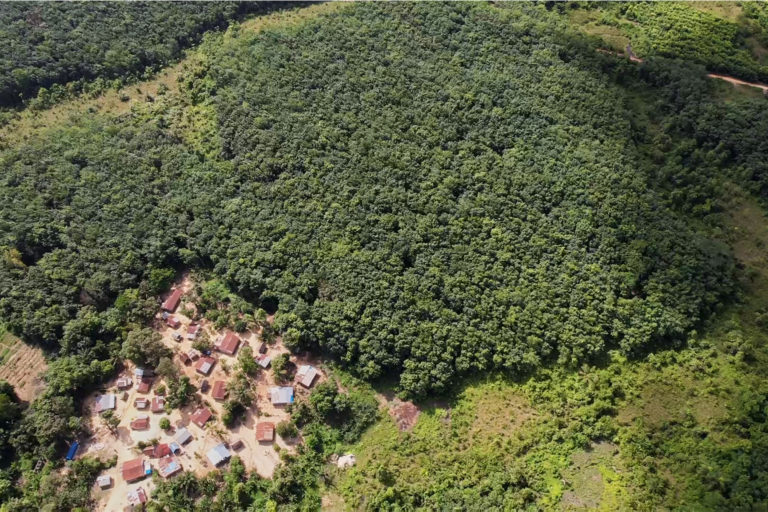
x=7, y=342
x=666, y=431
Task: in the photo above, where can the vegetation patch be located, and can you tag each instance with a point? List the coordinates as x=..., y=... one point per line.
x=586, y=477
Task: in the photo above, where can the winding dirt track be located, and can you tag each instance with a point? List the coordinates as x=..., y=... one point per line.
x=729, y=79
x=736, y=81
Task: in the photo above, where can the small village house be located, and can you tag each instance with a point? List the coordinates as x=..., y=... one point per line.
x=136, y=469
x=172, y=302
x=306, y=375
x=124, y=382
x=105, y=403
x=145, y=384
x=140, y=423
x=158, y=404
x=200, y=417
x=136, y=499
x=157, y=451
x=193, y=331
x=264, y=360
x=194, y=354
x=185, y=359
x=104, y=481
x=219, y=390
x=141, y=403
x=183, y=436
x=281, y=395
x=228, y=344
x=265, y=432
x=218, y=454
x=168, y=466
x=140, y=373
x=236, y=444
x=173, y=322
x=205, y=365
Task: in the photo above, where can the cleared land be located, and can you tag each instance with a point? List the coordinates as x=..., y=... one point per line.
x=22, y=366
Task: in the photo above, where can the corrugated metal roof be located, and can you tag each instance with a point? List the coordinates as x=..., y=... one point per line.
x=183, y=435
x=281, y=395
x=218, y=454
x=306, y=375
x=105, y=402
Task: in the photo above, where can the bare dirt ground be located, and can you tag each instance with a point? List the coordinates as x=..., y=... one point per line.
x=405, y=414
x=260, y=457
x=22, y=366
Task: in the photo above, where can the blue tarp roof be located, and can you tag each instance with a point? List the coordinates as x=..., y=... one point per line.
x=72, y=450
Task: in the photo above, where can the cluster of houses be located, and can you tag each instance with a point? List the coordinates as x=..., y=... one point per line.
x=162, y=458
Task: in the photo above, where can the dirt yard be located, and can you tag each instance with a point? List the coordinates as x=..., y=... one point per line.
x=260, y=457
x=22, y=366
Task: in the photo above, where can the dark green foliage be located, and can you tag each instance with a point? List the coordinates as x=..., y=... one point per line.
x=225, y=491
x=48, y=43
x=471, y=226
x=179, y=392
x=46, y=424
x=10, y=413
x=475, y=225
x=350, y=413
x=282, y=367
x=422, y=191
x=145, y=348
x=49, y=489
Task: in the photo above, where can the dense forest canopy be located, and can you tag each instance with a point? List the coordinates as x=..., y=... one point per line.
x=420, y=191
x=47, y=43
x=429, y=190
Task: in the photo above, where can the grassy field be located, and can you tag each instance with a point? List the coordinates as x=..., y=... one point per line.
x=623, y=435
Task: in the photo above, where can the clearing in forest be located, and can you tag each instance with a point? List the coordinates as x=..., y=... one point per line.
x=22, y=366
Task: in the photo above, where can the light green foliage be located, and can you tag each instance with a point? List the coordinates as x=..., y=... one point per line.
x=282, y=367
x=699, y=34
x=286, y=430
x=246, y=362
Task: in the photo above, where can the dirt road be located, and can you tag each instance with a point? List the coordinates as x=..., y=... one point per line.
x=729, y=79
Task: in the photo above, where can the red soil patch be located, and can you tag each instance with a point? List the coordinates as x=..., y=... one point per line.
x=404, y=413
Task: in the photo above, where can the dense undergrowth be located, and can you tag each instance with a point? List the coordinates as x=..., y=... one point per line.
x=425, y=191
